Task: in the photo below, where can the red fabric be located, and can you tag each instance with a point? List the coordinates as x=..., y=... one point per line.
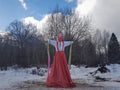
x=60, y=39
x=60, y=75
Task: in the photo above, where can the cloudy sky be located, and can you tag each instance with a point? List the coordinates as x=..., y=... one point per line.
x=105, y=14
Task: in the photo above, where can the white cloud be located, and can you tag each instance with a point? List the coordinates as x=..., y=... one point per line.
x=84, y=7
x=23, y=4
x=38, y=23
x=69, y=1
x=106, y=15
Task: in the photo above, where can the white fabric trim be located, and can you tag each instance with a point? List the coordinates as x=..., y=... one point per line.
x=66, y=43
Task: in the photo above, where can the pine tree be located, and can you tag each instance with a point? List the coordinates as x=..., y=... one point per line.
x=113, y=50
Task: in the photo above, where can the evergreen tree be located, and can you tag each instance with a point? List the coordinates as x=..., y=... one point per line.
x=113, y=50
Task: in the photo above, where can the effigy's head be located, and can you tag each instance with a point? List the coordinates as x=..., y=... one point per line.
x=60, y=37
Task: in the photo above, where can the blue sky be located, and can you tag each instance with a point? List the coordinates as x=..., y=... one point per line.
x=12, y=9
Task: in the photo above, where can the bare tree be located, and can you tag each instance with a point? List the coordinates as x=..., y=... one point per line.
x=73, y=27
x=21, y=32
x=30, y=45
x=89, y=53
x=106, y=38
x=101, y=39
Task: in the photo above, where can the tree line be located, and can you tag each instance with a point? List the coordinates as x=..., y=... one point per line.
x=24, y=46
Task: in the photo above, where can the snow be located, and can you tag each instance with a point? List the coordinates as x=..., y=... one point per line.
x=11, y=77
x=83, y=75
x=80, y=75
x=114, y=73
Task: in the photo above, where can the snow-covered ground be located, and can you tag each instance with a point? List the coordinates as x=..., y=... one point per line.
x=81, y=75
x=11, y=77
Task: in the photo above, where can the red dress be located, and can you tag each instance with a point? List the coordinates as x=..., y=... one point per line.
x=59, y=75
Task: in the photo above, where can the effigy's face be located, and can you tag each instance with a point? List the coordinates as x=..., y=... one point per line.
x=60, y=37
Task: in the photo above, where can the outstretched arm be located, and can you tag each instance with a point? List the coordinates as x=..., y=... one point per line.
x=67, y=43
x=52, y=42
